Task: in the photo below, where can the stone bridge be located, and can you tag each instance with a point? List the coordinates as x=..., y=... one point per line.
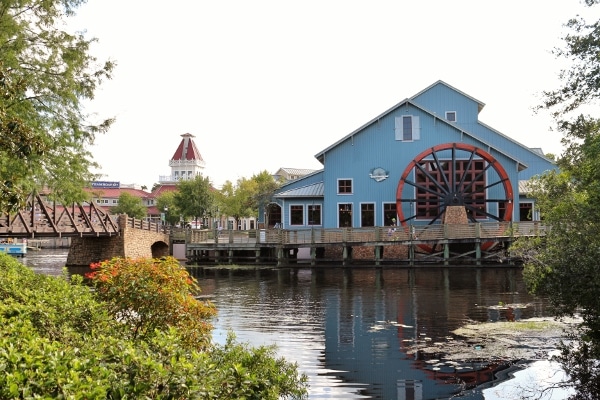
x=136, y=239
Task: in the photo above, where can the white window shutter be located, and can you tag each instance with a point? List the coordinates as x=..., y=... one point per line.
x=398, y=128
x=416, y=126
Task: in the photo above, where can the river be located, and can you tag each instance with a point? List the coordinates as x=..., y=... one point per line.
x=353, y=331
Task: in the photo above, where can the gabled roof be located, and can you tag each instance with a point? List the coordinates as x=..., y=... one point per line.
x=164, y=188
x=409, y=101
x=187, y=149
x=314, y=190
x=480, y=104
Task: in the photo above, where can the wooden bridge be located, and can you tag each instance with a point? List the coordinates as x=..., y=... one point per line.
x=441, y=243
x=40, y=219
x=95, y=234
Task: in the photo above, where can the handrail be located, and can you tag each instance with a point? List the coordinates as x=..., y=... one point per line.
x=483, y=230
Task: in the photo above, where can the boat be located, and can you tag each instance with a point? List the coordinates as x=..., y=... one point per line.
x=18, y=249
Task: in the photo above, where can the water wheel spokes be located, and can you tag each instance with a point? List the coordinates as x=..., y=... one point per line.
x=454, y=174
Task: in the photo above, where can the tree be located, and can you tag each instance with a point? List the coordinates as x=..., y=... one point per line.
x=194, y=198
x=247, y=196
x=265, y=187
x=236, y=200
x=130, y=205
x=46, y=75
x=165, y=203
x=564, y=263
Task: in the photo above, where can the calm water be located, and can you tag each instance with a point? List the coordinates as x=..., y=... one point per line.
x=352, y=331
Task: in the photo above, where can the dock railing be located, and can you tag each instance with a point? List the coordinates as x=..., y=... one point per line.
x=483, y=230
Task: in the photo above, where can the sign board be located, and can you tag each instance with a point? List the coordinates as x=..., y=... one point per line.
x=106, y=184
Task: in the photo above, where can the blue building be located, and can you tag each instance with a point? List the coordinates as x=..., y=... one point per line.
x=409, y=164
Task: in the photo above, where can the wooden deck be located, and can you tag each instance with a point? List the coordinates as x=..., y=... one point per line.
x=480, y=242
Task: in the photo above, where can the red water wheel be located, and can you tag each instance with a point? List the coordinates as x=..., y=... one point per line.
x=454, y=174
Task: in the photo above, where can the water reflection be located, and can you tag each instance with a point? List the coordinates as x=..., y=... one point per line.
x=356, y=332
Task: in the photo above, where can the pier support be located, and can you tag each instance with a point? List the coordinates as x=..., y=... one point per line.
x=378, y=251
x=280, y=256
x=346, y=255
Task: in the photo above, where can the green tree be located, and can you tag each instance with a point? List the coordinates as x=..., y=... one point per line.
x=247, y=196
x=130, y=205
x=165, y=203
x=564, y=263
x=194, y=198
x=265, y=187
x=46, y=75
x=236, y=200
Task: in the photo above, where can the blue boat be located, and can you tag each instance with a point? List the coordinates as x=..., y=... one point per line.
x=15, y=249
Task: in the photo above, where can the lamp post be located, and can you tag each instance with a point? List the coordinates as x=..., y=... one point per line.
x=166, y=209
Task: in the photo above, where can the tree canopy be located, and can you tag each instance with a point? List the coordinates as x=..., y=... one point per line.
x=247, y=196
x=46, y=75
x=194, y=197
x=563, y=264
x=130, y=205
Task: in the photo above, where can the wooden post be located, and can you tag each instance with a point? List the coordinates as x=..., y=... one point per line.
x=345, y=255
x=446, y=252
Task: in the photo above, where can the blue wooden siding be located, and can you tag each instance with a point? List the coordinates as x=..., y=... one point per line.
x=375, y=145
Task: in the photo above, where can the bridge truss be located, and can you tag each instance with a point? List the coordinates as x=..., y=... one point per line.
x=42, y=219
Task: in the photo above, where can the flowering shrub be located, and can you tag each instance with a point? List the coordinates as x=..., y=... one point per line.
x=154, y=294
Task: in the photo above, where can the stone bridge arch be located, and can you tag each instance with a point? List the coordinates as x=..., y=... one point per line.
x=132, y=242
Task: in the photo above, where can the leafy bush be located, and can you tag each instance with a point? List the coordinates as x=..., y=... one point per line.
x=59, y=339
x=154, y=294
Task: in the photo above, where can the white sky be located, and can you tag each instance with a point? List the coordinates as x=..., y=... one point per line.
x=268, y=84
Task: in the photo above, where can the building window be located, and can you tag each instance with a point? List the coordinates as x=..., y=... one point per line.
x=407, y=128
x=367, y=214
x=314, y=214
x=345, y=215
x=344, y=186
x=525, y=211
x=297, y=215
x=451, y=116
x=390, y=216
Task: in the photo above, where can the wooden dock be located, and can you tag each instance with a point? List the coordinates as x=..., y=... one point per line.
x=433, y=244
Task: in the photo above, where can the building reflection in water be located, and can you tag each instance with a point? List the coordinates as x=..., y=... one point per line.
x=376, y=318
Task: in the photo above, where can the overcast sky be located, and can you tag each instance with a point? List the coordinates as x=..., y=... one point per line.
x=269, y=84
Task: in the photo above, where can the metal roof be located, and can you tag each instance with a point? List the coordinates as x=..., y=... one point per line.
x=524, y=187
x=314, y=190
x=297, y=171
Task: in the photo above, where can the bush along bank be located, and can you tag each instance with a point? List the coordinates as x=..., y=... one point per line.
x=140, y=334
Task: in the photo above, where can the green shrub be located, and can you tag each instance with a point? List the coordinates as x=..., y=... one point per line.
x=154, y=294
x=60, y=340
